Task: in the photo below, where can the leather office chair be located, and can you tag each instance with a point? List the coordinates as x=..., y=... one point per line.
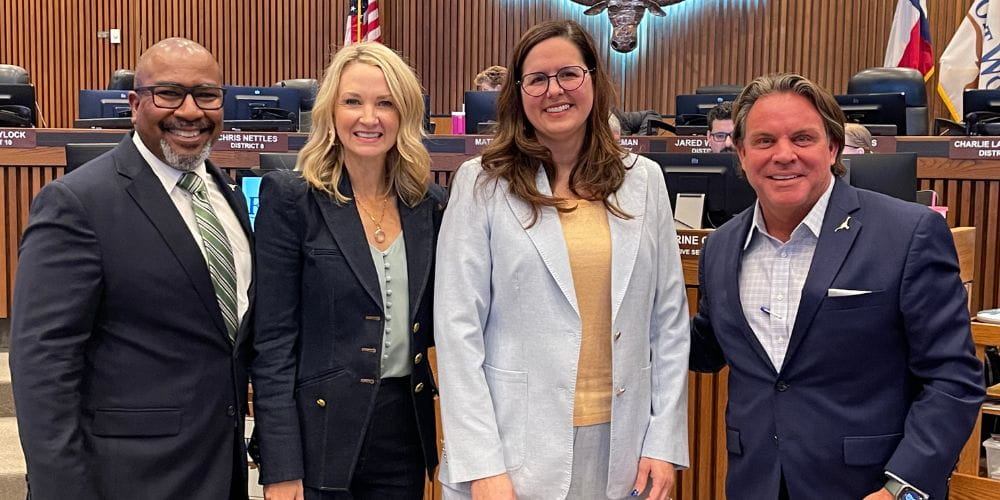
x=723, y=88
x=307, y=87
x=10, y=73
x=14, y=115
x=887, y=80
x=122, y=79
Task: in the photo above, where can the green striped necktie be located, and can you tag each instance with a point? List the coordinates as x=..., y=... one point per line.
x=218, y=253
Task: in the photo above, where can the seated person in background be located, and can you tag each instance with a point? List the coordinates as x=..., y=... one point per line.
x=616, y=126
x=637, y=122
x=491, y=78
x=857, y=139
x=720, y=128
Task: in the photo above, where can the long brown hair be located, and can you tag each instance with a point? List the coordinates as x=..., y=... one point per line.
x=515, y=153
x=321, y=160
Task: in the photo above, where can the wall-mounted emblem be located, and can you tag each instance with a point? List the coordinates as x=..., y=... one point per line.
x=625, y=16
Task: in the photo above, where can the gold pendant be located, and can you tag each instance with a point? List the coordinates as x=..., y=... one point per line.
x=379, y=235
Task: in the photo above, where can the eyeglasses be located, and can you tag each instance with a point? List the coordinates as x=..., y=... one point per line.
x=568, y=78
x=173, y=96
x=720, y=136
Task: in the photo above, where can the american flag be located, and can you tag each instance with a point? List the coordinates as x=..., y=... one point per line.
x=362, y=22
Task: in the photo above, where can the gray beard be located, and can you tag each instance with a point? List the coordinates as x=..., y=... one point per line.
x=184, y=163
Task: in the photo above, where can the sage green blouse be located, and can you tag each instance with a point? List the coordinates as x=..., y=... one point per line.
x=394, y=282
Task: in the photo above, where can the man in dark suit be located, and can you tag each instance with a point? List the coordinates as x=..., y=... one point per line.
x=128, y=345
x=852, y=371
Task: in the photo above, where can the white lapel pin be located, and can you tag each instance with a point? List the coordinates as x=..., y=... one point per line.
x=232, y=186
x=844, y=225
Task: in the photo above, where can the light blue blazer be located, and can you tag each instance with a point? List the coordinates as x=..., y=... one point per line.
x=508, y=336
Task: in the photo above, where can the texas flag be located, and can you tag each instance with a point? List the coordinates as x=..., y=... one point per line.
x=910, y=39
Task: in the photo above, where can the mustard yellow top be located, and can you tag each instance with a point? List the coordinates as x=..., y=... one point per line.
x=588, y=240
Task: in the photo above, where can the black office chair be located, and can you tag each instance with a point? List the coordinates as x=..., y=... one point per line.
x=10, y=73
x=122, y=79
x=722, y=88
x=79, y=154
x=889, y=80
x=307, y=87
x=14, y=115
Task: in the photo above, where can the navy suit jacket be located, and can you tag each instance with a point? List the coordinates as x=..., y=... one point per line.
x=884, y=381
x=319, y=327
x=125, y=382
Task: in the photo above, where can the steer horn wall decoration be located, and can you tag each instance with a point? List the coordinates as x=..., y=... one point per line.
x=625, y=16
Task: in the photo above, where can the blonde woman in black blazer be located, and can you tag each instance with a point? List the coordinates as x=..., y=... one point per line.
x=343, y=392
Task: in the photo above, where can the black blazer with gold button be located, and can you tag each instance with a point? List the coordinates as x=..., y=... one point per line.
x=319, y=324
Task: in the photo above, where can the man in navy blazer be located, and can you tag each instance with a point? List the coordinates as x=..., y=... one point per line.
x=840, y=314
x=128, y=381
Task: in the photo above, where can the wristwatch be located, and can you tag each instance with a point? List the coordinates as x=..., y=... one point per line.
x=904, y=491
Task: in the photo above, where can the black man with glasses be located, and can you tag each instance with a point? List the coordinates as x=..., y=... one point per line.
x=720, y=128
x=129, y=331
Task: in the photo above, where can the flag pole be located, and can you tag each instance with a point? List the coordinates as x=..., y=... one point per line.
x=359, y=16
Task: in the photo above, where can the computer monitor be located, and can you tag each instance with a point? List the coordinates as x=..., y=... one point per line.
x=428, y=127
x=78, y=154
x=882, y=114
x=893, y=174
x=249, y=181
x=692, y=109
x=104, y=104
x=278, y=161
x=974, y=100
x=261, y=103
x=13, y=95
x=104, y=123
x=480, y=108
x=716, y=175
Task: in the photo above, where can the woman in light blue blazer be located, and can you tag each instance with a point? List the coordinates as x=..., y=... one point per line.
x=560, y=310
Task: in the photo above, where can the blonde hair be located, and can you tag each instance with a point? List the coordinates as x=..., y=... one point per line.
x=408, y=163
x=859, y=135
x=494, y=76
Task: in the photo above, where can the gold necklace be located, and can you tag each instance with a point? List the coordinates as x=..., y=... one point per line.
x=379, y=234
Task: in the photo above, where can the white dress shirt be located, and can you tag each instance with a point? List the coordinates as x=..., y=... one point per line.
x=227, y=217
x=772, y=275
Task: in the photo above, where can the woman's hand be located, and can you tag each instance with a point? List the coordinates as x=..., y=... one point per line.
x=496, y=487
x=285, y=490
x=662, y=475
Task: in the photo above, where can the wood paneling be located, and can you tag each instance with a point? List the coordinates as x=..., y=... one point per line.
x=259, y=42
x=698, y=42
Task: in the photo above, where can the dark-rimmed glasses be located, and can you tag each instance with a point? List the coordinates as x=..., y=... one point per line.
x=720, y=136
x=173, y=96
x=568, y=78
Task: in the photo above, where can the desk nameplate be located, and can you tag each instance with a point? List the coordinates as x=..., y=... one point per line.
x=474, y=145
x=18, y=138
x=974, y=148
x=635, y=144
x=251, y=141
x=688, y=144
x=884, y=144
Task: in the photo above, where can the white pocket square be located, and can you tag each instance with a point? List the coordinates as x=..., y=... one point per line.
x=845, y=292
